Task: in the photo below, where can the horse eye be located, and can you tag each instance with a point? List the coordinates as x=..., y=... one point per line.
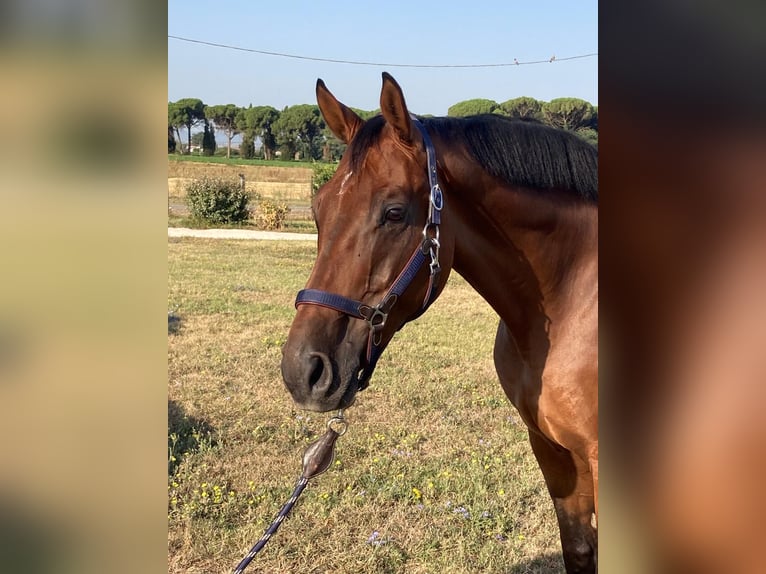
x=395, y=214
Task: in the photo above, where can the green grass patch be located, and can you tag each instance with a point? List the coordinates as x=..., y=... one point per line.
x=239, y=161
x=435, y=473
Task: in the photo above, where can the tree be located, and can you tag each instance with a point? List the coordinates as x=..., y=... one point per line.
x=257, y=121
x=197, y=138
x=523, y=107
x=589, y=135
x=187, y=112
x=225, y=117
x=332, y=147
x=590, y=132
x=472, y=107
x=247, y=143
x=208, y=140
x=175, y=122
x=366, y=114
x=247, y=146
x=298, y=128
x=171, y=140
x=568, y=113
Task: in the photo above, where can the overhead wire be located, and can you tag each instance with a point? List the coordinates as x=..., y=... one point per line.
x=515, y=62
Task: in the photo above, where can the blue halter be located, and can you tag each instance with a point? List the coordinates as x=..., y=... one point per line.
x=375, y=316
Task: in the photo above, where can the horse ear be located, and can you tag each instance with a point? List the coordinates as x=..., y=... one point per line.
x=341, y=120
x=394, y=109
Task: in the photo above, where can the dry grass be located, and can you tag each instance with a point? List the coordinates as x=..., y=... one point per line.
x=435, y=461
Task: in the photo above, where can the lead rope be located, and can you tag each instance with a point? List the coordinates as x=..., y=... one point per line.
x=316, y=459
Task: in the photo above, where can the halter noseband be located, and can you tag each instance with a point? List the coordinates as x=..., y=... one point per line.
x=376, y=316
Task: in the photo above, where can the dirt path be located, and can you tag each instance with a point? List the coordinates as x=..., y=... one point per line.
x=239, y=234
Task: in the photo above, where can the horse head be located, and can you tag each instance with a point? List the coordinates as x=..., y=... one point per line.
x=381, y=256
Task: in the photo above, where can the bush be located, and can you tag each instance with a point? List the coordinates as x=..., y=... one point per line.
x=322, y=174
x=271, y=215
x=216, y=200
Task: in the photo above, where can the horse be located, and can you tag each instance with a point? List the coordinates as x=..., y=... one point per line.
x=510, y=205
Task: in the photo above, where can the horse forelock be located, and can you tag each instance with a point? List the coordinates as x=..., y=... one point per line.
x=365, y=139
x=374, y=137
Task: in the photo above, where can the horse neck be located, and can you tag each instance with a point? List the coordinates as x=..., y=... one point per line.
x=528, y=254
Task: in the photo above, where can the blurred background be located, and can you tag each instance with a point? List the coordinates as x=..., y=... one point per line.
x=82, y=296
x=83, y=292
x=683, y=318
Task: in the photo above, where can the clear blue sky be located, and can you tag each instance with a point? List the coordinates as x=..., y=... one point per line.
x=390, y=32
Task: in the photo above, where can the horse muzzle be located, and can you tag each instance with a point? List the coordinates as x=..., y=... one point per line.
x=316, y=381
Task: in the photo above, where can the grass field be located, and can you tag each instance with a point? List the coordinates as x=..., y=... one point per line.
x=434, y=475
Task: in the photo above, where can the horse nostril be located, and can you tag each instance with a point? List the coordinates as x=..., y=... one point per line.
x=317, y=369
x=320, y=373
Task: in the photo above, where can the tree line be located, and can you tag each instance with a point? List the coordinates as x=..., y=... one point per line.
x=300, y=132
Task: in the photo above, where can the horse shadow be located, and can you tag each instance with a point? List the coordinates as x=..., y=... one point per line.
x=186, y=435
x=174, y=323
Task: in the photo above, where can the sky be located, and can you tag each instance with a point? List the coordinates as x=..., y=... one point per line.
x=392, y=32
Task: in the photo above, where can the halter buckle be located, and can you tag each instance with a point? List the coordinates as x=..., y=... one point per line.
x=430, y=246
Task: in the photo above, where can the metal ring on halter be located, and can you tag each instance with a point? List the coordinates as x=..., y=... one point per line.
x=340, y=421
x=428, y=226
x=437, y=197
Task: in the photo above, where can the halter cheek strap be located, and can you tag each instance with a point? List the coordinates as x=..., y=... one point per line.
x=375, y=316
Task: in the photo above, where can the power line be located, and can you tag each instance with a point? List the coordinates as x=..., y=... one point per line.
x=515, y=62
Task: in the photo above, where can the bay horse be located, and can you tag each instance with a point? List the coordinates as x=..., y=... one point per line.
x=512, y=206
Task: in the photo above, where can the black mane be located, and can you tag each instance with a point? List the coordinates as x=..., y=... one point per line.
x=525, y=153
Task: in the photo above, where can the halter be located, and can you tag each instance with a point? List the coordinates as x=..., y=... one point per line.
x=375, y=316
